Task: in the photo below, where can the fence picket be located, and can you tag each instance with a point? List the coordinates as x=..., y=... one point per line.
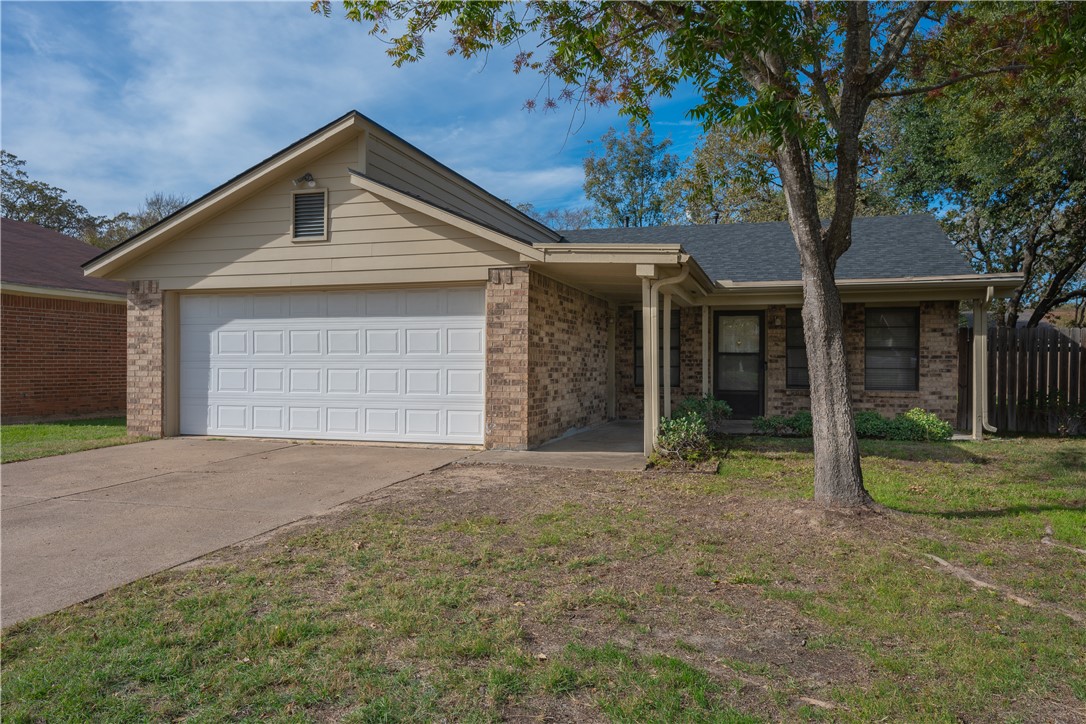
x=1026, y=368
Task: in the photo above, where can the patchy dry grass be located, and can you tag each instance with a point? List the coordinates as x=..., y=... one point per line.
x=45, y=439
x=487, y=593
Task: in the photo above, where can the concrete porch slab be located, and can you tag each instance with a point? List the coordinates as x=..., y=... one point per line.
x=612, y=446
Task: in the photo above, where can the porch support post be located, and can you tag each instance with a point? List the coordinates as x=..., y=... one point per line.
x=666, y=374
x=612, y=320
x=706, y=354
x=649, y=343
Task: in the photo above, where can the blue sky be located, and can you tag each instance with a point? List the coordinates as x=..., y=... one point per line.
x=112, y=101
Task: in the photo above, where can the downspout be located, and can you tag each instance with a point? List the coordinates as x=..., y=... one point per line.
x=654, y=291
x=665, y=376
x=984, y=398
x=980, y=366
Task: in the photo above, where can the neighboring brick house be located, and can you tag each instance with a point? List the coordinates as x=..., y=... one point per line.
x=62, y=334
x=352, y=287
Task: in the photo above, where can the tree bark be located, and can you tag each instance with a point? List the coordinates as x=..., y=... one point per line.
x=838, y=479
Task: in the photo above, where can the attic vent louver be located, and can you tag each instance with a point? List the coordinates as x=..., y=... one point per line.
x=309, y=215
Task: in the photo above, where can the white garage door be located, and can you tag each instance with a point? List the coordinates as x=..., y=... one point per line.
x=402, y=365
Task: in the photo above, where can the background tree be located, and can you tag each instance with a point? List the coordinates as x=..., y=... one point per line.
x=25, y=199
x=730, y=178
x=109, y=232
x=627, y=177
x=559, y=219
x=1004, y=162
x=800, y=75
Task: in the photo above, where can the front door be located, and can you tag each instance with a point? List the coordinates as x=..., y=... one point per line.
x=740, y=362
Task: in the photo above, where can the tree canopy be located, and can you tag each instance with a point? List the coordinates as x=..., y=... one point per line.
x=1002, y=160
x=25, y=199
x=626, y=178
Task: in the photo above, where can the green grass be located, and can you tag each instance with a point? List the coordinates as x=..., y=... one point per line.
x=668, y=596
x=45, y=439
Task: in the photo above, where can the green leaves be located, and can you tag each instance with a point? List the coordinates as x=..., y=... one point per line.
x=627, y=179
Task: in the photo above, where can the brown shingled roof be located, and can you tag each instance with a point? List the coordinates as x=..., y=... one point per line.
x=35, y=256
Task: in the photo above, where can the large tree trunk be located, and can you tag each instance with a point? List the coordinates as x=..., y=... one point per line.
x=838, y=479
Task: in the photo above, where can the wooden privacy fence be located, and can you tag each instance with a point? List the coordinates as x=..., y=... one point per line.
x=1036, y=379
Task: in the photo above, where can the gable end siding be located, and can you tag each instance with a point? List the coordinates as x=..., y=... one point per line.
x=371, y=241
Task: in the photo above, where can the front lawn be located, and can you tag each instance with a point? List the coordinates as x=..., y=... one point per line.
x=44, y=439
x=481, y=593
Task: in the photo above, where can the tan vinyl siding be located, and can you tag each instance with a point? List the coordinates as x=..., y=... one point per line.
x=372, y=241
x=390, y=164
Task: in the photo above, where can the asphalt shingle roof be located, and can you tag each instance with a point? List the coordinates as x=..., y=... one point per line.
x=882, y=247
x=40, y=257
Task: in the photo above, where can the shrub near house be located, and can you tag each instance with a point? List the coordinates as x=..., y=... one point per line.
x=916, y=425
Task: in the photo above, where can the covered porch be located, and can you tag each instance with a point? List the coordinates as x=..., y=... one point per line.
x=733, y=336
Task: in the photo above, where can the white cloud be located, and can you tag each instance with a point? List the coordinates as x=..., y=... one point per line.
x=114, y=101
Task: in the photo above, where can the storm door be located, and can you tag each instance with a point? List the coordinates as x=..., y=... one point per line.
x=740, y=362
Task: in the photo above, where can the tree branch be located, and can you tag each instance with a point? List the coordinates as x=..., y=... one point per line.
x=895, y=45
x=1017, y=67
x=817, y=76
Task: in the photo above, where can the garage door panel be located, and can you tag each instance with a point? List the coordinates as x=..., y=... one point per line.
x=422, y=342
x=382, y=366
x=344, y=342
x=268, y=418
x=465, y=423
x=465, y=382
x=268, y=342
x=466, y=341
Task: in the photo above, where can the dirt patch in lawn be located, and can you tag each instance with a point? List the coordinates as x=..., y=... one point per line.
x=628, y=560
x=486, y=592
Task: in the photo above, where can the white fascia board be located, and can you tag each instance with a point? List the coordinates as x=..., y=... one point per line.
x=82, y=295
x=1001, y=283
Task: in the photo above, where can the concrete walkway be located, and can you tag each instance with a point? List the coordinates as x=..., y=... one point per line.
x=613, y=446
x=78, y=525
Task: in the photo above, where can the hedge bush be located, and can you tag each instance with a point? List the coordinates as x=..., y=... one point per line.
x=712, y=411
x=916, y=424
x=683, y=437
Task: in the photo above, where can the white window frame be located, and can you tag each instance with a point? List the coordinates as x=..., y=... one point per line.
x=327, y=215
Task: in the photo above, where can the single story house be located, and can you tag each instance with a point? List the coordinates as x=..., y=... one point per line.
x=62, y=334
x=353, y=287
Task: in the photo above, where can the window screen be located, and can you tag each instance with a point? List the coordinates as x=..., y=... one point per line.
x=795, y=350
x=892, y=349
x=639, y=349
x=309, y=215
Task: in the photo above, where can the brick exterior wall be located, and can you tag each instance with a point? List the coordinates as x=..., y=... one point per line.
x=146, y=378
x=938, y=365
x=546, y=359
x=630, y=398
x=507, y=359
x=567, y=359
x=61, y=358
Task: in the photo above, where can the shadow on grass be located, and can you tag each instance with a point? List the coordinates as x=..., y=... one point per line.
x=1009, y=511
x=87, y=422
x=949, y=452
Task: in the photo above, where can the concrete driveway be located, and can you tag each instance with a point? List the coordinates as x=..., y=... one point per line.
x=77, y=525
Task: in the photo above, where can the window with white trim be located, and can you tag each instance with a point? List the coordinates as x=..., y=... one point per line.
x=892, y=349
x=310, y=220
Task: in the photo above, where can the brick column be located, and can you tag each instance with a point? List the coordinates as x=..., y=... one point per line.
x=145, y=364
x=507, y=359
